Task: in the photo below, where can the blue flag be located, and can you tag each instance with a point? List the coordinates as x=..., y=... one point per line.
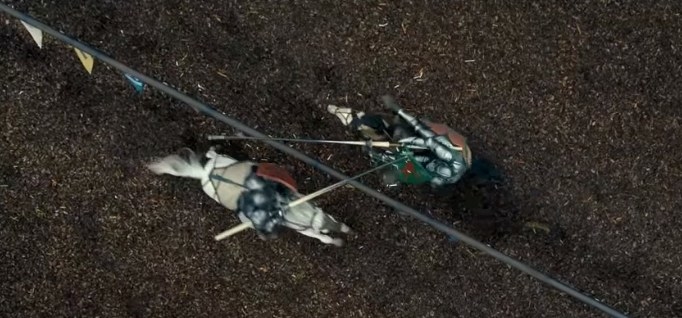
x=137, y=84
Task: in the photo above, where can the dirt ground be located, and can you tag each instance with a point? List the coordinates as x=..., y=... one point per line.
x=577, y=104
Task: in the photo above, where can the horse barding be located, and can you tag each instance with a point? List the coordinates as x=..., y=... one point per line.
x=264, y=196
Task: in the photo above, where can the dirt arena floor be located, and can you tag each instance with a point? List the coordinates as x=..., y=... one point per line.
x=577, y=104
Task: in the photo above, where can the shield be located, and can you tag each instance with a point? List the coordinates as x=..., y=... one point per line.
x=410, y=171
x=273, y=172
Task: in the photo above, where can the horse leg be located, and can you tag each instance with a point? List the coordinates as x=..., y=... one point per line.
x=323, y=238
x=330, y=224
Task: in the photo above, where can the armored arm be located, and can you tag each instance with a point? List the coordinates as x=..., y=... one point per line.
x=420, y=128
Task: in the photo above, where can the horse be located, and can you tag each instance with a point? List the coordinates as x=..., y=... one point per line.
x=256, y=192
x=444, y=158
x=380, y=126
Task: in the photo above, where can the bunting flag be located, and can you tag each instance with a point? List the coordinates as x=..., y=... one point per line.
x=87, y=60
x=36, y=33
x=137, y=84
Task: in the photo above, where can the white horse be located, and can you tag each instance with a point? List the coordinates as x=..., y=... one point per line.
x=223, y=178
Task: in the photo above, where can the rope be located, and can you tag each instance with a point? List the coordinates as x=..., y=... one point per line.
x=207, y=110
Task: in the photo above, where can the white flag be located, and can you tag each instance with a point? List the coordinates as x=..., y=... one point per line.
x=36, y=33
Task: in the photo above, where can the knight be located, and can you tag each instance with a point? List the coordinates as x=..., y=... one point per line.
x=436, y=154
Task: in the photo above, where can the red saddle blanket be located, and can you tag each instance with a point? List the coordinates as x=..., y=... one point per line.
x=276, y=173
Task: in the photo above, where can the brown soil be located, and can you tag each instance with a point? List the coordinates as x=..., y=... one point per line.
x=577, y=105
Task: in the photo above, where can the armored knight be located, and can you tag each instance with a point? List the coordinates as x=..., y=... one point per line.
x=444, y=156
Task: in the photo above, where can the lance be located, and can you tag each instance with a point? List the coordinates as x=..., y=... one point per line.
x=379, y=144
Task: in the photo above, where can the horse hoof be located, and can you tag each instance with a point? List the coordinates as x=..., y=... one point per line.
x=338, y=242
x=346, y=229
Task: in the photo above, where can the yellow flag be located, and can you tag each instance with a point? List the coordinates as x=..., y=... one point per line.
x=36, y=33
x=86, y=59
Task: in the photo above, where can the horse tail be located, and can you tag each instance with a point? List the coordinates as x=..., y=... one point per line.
x=371, y=126
x=180, y=167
